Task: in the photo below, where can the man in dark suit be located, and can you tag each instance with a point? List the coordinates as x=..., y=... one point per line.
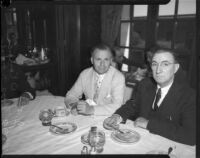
x=163, y=104
x=14, y=83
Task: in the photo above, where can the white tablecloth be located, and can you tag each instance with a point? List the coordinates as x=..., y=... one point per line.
x=26, y=135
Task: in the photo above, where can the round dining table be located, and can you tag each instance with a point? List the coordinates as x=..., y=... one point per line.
x=25, y=134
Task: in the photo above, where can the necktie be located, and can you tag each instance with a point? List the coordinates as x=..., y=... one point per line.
x=157, y=98
x=97, y=88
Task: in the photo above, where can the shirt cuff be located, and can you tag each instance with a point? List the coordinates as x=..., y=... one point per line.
x=120, y=118
x=30, y=95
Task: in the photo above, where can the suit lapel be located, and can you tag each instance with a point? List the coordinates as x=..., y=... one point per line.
x=149, y=93
x=104, y=84
x=170, y=98
x=91, y=84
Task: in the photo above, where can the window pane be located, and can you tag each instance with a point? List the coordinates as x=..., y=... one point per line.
x=167, y=9
x=165, y=33
x=138, y=34
x=125, y=31
x=126, y=54
x=184, y=41
x=15, y=18
x=140, y=11
x=125, y=12
x=185, y=34
x=187, y=7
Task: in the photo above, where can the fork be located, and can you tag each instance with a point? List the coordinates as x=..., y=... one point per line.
x=117, y=129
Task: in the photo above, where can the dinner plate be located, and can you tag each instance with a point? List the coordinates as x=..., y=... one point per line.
x=6, y=102
x=128, y=137
x=67, y=127
x=84, y=138
x=160, y=152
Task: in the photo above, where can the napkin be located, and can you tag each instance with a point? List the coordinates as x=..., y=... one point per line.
x=91, y=102
x=21, y=59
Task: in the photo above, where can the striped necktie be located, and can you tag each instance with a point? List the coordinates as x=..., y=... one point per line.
x=157, y=98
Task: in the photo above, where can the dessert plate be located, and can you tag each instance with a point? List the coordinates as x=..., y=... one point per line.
x=62, y=128
x=127, y=137
x=160, y=152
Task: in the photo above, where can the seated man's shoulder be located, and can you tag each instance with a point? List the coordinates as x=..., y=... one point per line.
x=186, y=89
x=116, y=72
x=86, y=71
x=147, y=81
x=117, y=75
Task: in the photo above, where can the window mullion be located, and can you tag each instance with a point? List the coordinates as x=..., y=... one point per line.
x=175, y=23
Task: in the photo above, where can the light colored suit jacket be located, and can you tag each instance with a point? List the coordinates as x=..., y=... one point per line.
x=111, y=91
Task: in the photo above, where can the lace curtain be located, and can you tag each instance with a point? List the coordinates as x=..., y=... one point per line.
x=110, y=17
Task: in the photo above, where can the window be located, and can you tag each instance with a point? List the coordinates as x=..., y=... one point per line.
x=132, y=33
x=175, y=24
x=11, y=21
x=175, y=27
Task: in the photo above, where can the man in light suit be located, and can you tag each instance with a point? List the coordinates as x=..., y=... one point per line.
x=102, y=85
x=173, y=114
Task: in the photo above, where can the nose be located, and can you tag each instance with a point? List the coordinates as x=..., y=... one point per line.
x=102, y=63
x=158, y=69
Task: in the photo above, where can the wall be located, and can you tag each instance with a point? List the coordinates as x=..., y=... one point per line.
x=77, y=30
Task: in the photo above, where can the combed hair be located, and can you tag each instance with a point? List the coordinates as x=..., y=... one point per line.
x=101, y=46
x=159, y=49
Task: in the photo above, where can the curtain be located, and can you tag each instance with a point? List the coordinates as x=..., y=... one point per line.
x=110, y=18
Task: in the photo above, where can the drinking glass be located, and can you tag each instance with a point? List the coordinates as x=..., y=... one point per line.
x=97, y=140
x=46, y=116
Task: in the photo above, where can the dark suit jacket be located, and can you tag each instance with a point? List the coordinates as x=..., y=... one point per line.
x=13, y=81
x=175, y=118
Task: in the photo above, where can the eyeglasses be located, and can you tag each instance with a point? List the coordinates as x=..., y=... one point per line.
x=164, y=64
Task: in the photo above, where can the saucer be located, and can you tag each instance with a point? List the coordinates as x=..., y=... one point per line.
x=128, y=137
x=67, y=127
x=84, y=138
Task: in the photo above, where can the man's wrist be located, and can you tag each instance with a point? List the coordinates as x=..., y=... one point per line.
x=27, y=95
x=91, y=110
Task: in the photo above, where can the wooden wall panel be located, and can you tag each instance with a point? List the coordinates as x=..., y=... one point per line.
x=78, y=29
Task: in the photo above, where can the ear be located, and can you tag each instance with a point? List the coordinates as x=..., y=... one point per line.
x=91, y=59
x=176, y=67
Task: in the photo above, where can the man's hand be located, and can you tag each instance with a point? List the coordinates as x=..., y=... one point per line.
x=141, y=122
x=112, y=121
x=73, y=107
x=84, y=108
x=23, y=99
x=74, y=111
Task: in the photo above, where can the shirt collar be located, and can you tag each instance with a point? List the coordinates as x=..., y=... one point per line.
x=166, y=88
x=100, y=76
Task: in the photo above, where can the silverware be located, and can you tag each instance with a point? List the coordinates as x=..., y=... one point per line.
x=117, y=129
x=170, y=150
x=58, y=127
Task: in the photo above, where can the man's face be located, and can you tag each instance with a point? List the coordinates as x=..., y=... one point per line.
x=163, y=68
x=149, y=56
x=119, y=56
x=101, y=60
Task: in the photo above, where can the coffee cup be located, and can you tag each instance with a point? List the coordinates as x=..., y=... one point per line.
x=60, y=111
